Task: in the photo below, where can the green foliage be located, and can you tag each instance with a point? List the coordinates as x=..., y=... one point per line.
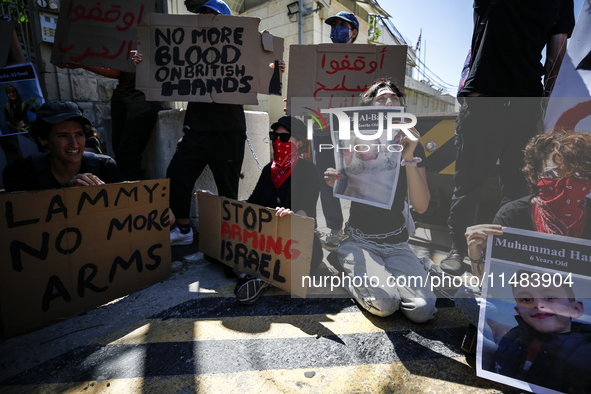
x=374, y=31
x=16, y=11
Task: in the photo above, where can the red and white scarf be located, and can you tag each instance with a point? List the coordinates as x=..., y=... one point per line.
x=285, y=158
x=562, y=206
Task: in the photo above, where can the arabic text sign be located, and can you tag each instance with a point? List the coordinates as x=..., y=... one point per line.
x=224, y=59
x=99, y=33
x=251, y=239
x=73, y=249
x=340, y=72
x=536, y=285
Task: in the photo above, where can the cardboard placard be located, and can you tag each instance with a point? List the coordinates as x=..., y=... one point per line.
x=20, y=109
x=251, y=239
x=99, y=33
x=537, y=288
x=6, y=32
x=73, y=249
x=206, y=58
x=340, y=72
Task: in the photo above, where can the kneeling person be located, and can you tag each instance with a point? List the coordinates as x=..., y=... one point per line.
x=60, y=130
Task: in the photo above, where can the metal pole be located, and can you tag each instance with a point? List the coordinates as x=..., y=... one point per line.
x=301, y=22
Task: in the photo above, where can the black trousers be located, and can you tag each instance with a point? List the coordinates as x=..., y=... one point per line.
x=223, y=152
x=489, y=129
x=133, y=122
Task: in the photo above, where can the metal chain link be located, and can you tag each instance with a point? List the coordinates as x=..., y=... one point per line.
x=360, y=236
x=253, y=153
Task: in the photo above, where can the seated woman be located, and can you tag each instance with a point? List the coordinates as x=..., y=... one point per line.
x=61, y=130
x=288, y=183
x=377, y=245
x=558, y=169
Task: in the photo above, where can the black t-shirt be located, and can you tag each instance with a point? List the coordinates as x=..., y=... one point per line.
x=506, y=58
x=373, y=220
x=517, y=214
x=299, y=192
x=126, y=90
x=213, y=117
x=20, y=175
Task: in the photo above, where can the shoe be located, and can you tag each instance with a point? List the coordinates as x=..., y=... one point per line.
x=453, y=263
x=249, y=289
x=178, y=238
x=333, y=239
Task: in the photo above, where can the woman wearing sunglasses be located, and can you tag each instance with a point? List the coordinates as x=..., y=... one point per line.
x=288, y=183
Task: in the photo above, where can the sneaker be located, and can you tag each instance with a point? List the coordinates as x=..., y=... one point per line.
x=249, y=289
x=453, y=264
x=333, y=239
x=178, y=238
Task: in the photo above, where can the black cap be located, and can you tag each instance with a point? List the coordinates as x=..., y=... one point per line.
x=296, y=127
x=58, y=111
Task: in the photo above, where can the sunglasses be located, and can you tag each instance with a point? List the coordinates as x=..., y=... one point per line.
x=284, y=137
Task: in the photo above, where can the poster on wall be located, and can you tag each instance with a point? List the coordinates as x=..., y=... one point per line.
x=20, y=96
x=535, y=326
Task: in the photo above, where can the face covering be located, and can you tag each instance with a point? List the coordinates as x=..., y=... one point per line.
x=285, y=157
x=339, y=34
x=562, y=206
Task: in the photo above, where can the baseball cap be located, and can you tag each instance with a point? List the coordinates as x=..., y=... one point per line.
x=346, y=16
x=58, y=111
x=217, y=5
x=295, y=126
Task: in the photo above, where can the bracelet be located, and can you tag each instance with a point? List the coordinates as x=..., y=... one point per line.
x=411, y=163
x=478, y=263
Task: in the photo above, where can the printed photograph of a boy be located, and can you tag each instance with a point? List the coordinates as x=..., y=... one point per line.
x=547, y=348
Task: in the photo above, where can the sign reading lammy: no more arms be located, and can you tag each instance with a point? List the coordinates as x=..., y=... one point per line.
x=207, y=58
x=99, y=33
x=73, y=249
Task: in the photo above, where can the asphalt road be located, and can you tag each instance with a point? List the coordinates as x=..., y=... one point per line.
x=188, y=334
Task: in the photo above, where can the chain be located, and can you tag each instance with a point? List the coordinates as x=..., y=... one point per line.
x=360, y=236
x=253, y=154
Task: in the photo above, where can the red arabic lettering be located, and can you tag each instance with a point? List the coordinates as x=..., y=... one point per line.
x=339, y=87
x=382, y=61
x=345, y=65
x=113, y=15
x=105, y=53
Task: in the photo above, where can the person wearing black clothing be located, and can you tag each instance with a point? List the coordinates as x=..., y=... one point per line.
x=377, y=246
x=289, y=184
x=61, y=130
x=501, y=101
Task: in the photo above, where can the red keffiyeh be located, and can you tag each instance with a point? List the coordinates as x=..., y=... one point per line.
x=562, y=206
x=285, y=157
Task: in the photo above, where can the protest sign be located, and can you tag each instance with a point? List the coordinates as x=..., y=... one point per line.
x=534, y=328
x=6, y=32
x=569, y=107
x=20, y=97
x=335, y=74
x=207, y=58
x=73, y=249
x=99, y=33
x=369, y=160
x=251, y=239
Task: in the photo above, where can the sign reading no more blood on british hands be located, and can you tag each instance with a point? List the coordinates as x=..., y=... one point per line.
x=73, y=249
x=99, y=34
x=207, y=58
